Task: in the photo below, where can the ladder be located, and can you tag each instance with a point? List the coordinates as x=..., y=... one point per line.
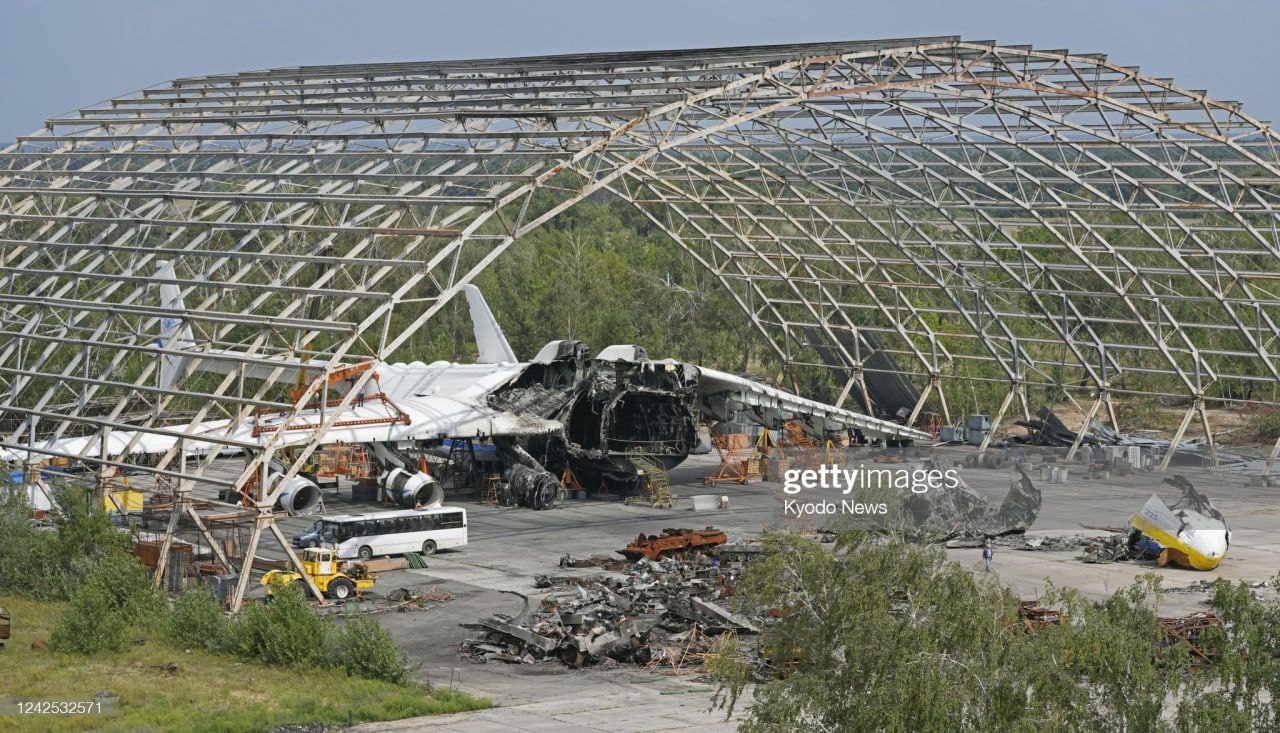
x=733, y=467
x=569, y=480
x=657, y=492
x=492, y=489
x=796, y=435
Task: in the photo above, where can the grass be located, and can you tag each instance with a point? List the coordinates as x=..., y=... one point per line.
x=208, y=692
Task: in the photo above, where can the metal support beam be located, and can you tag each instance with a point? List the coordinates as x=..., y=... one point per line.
x=1177, y=436
x=1014, y=390
x=997, y=214
x=1085, y=424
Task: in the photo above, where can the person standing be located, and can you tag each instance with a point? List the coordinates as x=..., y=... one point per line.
x=987, y=554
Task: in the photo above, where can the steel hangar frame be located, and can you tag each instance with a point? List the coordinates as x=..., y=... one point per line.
x=985, y=213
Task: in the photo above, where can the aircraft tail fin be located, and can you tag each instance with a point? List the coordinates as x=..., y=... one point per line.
x=493, y=345
x=175, y=332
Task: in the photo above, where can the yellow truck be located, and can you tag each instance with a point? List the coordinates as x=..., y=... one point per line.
x=335, y=578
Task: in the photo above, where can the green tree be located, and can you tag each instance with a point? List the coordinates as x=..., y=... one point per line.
x=40, y=562
x=885, y=635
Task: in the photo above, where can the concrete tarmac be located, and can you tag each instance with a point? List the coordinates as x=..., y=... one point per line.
x=509, y=546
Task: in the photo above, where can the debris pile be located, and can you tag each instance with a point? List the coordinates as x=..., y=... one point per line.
x=961, y=513
x=1189, y=630
x=1112, y=548
x=1189, y=533
x=1035, y=617
x=612, y=564
x=1047, y=429
x=663, y=612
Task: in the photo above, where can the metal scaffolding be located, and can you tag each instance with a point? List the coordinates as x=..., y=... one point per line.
x=1032, y=218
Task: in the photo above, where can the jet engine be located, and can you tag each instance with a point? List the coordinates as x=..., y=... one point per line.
x=299, y=495
x=532, y=487
x=408, y=489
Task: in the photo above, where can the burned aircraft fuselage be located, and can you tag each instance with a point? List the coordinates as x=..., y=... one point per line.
x=609, y=409
x=641, y=408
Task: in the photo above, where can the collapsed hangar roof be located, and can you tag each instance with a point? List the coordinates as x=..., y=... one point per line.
x=982, y=212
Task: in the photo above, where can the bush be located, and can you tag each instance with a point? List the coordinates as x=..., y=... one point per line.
x=89, y=625
x=29, y=561
x=114, y=595
x=885, y=635
x=197, y=621
x=365, y=649
x=282, y=631
x=41, y=563
x=1265, y=424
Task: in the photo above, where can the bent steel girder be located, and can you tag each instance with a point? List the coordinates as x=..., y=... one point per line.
x=990, y=213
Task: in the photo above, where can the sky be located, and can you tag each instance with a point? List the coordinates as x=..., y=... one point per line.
x=56, y=56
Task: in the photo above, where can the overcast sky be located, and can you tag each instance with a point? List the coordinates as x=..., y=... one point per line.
x=57, y=56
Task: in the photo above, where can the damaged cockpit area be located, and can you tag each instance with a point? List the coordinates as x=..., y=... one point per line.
x=609, y=407
x=1190, y=532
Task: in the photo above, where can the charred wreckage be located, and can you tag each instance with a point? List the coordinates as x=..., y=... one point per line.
x=533, y=422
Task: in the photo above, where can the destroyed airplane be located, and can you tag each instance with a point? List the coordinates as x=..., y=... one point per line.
x=561, y=410
x=1190, y=533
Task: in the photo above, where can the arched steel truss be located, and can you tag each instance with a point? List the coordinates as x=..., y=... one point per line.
x=992, y=213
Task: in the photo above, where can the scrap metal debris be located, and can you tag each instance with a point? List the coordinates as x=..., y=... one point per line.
x=1035, y=617
x=961, y=513
x=603, y=562
x=674, y=543
x=660, y=613
x=1048, y=430
x=1190, y=533
x=1188, y=630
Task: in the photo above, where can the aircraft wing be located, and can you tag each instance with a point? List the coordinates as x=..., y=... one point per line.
x=721, y=393
x=410, y=418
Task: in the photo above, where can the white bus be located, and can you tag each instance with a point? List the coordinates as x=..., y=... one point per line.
x=394, y=533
